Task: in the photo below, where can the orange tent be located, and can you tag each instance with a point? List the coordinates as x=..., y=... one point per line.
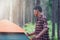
x=7, y=26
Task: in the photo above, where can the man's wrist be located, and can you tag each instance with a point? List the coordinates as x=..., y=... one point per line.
x=35, y=36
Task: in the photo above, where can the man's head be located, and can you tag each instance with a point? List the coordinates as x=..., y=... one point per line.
x=37, y=10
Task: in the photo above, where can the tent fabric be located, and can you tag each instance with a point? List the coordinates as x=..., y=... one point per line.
x=7, y=26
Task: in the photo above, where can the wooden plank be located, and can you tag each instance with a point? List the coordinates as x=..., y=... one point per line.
x=54, y=12
x=58, y=19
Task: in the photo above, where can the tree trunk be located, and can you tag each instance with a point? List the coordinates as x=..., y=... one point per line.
x=58, y=19
x=54, y=12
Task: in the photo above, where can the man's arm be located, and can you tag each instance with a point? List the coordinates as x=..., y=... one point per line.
x=42, y=32
x=31, y=34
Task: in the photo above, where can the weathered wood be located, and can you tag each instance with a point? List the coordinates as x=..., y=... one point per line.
x=37, y=2
x=54, y=11
x=58, y=19
x=29, y=11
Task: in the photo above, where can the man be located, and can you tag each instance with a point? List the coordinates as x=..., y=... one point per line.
x=41, y=30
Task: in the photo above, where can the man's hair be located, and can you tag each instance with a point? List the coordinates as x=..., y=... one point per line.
x=38, y=8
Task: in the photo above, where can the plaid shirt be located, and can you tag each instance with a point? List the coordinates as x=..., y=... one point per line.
x=41, y=23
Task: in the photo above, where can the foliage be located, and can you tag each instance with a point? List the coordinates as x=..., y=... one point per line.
x=49, y=9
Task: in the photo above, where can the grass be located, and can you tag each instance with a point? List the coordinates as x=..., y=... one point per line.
x=30, y=27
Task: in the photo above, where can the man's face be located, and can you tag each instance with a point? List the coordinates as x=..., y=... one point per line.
x=36, y=12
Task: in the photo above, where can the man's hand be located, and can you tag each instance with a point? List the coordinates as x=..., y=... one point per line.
x=36, y=36
x=28, y=34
